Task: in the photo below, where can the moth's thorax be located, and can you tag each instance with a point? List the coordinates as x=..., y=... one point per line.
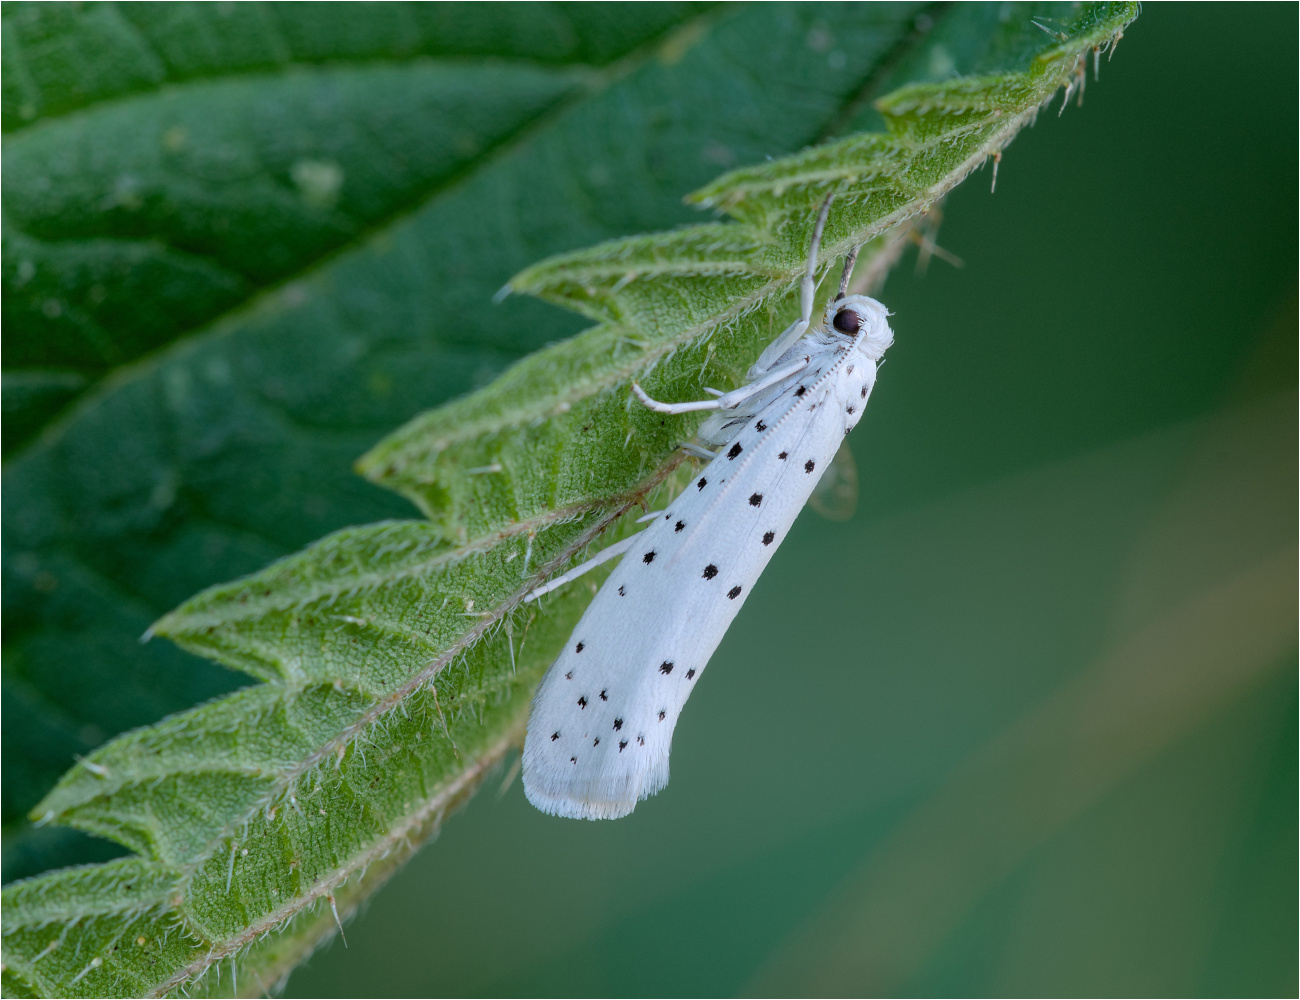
x=860, y=321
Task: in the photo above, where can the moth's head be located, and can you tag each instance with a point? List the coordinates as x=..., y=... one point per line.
x=861, y=319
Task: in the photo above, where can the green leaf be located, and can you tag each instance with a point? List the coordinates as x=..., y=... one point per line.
x=397, y=659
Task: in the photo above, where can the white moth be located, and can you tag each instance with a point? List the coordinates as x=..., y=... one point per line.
x=602, y=720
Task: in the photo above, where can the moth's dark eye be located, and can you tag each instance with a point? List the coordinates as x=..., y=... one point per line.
x=847, y=321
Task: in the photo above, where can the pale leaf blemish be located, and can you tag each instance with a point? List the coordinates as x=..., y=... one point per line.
x=319, y=182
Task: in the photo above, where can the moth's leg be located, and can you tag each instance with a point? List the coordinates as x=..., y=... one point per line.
x=658, y=407
x=697, y=451
x=807, y=289
x=725, y=401
x=737, y=396
x=604, y=555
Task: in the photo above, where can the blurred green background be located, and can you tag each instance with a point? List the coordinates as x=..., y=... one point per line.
x=1025, y=725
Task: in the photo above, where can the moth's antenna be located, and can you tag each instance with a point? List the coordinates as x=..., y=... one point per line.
x=849, y=261
x=824, y=211
x=808, y=286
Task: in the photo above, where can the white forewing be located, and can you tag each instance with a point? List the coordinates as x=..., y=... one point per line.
x=602, y=720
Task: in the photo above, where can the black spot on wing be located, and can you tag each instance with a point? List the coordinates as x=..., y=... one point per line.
x=649, y=557
x=679, y=526
x=666, y=667
x=710, y=571
x=569, y=676
x=662, y=715
x=760, y=427
x=768, y=536
x=582, y=701
x=554, y=736
x=702, y=483
x=755, y=499
x=801, y=390
x=735, y=450
x=573, y=760
x=580, y=647
x=622, y=591
x=690, y=673
x=604, y=695
x=783, y=455
x=809, y=465
x=733, y=593
x=864, y=392
x=621, y=745
x=618, y=724
x=850, y=409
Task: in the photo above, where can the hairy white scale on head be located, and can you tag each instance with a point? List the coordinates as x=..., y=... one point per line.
x=602, y=720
